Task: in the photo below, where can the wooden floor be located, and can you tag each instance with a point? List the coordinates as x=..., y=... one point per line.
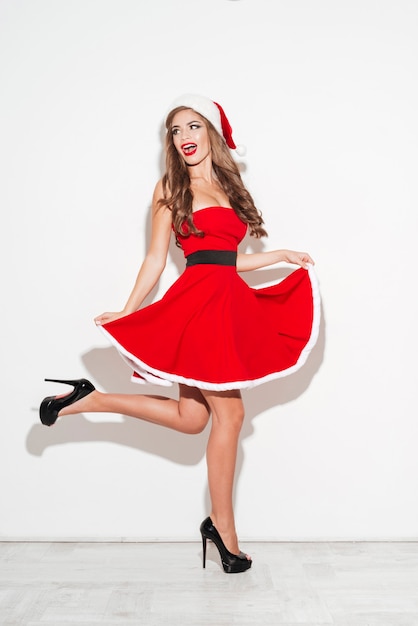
x=290, y=584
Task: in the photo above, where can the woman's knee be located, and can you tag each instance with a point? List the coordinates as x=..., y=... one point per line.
x=197, y=427
x=193, y=410
x=227, y=409
x=237, y=418
x=232, y=420
x=195, y=422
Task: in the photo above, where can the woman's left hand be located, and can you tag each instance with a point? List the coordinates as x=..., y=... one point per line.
x=298, y=258
x=104, y=318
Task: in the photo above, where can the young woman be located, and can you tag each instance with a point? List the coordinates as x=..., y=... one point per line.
x=210, y=333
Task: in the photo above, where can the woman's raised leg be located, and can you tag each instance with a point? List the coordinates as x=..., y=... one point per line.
x=189, y=414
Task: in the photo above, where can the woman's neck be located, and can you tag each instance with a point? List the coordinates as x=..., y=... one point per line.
x=202, y=171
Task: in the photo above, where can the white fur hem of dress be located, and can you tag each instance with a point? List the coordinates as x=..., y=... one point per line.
x=151, y=375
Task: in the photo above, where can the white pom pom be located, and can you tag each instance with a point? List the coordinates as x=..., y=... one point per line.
x=241, y=150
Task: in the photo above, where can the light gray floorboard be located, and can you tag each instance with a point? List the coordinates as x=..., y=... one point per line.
x=290, y=584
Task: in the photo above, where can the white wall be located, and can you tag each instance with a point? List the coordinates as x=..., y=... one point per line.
x=324, y=96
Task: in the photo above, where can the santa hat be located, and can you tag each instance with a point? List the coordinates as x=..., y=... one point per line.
x=213, y=112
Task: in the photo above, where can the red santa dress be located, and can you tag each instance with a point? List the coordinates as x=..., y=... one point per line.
x=211, y=330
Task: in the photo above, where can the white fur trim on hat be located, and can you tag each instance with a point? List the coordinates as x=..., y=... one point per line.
x=202, y=105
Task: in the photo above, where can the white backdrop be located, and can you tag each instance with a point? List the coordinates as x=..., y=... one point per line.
x=324, y=95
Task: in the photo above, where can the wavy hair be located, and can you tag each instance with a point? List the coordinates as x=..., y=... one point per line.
x=178, y=196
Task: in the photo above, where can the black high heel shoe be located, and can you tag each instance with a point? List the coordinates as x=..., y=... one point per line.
x=50, y=406
x=232, y=563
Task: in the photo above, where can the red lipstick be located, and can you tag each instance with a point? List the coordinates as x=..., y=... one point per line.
x=189, y=148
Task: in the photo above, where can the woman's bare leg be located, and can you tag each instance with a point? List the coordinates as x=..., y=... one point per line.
x=227, y=417
x=189, y=414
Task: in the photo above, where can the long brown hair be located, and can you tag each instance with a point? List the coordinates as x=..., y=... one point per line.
x=176, y=184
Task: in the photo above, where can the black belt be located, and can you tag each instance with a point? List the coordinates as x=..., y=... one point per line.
x=212, y=257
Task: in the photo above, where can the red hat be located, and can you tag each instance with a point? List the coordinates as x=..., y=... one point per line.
x=213, y=112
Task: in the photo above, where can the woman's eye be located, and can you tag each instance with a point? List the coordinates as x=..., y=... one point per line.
x=175, y=131
x=194, y=126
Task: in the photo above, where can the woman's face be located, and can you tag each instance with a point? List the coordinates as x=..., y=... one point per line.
x=190, y=137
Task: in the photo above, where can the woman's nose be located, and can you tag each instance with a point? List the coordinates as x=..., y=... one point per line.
x=185, y=134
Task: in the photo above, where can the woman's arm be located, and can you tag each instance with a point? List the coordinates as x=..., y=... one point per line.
x=248, y=262
x=154, y=262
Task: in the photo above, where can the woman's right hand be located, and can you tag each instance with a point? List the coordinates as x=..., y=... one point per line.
x=104, y=318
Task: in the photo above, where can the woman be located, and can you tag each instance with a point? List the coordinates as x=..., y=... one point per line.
x=210, y=333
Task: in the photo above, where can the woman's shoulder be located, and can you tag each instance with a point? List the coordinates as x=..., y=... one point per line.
x=159, y=204
x=158, y=191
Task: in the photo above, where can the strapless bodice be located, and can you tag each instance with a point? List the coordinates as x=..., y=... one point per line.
x=222, y=227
